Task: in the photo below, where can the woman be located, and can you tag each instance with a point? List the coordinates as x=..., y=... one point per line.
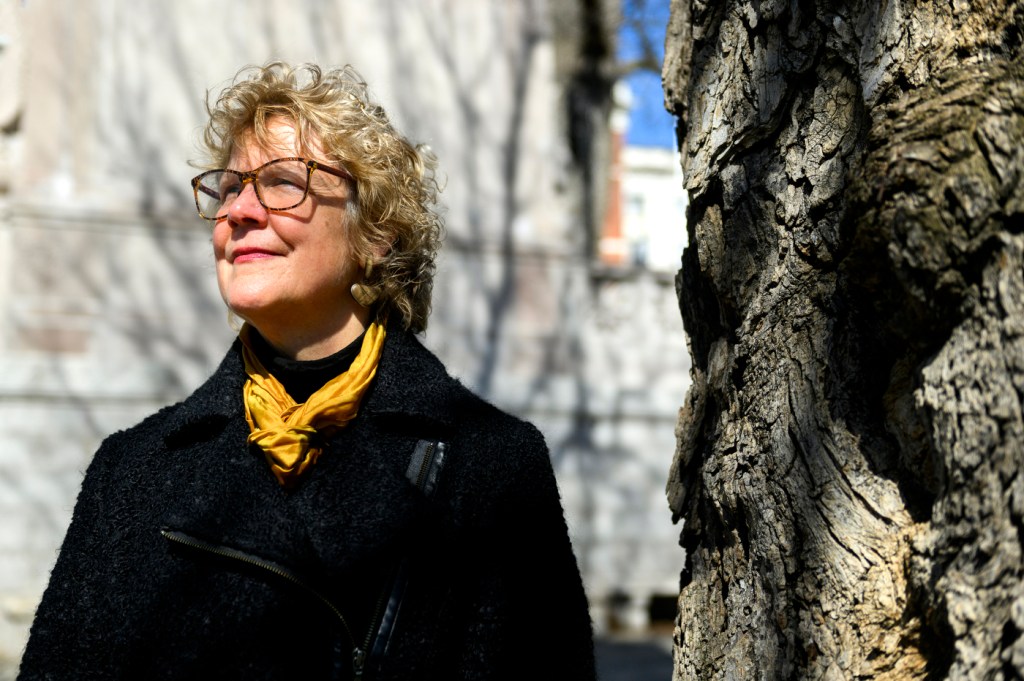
x=330, y=503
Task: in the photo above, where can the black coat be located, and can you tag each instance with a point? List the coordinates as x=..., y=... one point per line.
x=186, y=560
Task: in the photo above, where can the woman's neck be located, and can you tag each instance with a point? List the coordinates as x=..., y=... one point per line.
x=307, y=343
x=302, y=378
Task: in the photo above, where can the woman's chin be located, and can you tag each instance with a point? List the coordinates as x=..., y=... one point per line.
x=255, y=311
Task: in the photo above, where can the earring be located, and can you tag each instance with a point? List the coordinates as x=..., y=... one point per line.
x=363, y=293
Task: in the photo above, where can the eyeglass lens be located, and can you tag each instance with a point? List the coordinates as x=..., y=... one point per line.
x=279, y=184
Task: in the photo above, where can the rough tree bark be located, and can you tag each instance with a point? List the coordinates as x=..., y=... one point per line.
x=849, y=465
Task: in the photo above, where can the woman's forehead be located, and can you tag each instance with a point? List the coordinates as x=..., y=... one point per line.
x=278, y=138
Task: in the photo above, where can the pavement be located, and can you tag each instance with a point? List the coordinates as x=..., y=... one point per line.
x=634, y=657
x=620, y=657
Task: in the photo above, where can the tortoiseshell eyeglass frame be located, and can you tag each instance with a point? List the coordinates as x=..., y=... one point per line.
x=251, y=175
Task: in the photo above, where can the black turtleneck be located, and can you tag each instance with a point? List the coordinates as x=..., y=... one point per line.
x=302, y=378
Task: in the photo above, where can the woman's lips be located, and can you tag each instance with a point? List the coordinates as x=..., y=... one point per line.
x=243, y=255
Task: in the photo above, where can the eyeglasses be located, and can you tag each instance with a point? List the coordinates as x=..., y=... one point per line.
x=280, y=185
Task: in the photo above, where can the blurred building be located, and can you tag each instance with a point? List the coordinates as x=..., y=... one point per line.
x=108, y=304
x=645, y=215
x=642, y=239
x=654, y=208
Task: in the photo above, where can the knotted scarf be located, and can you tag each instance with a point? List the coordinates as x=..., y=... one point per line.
x=291, y=435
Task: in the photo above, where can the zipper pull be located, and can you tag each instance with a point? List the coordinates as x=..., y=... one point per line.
x=358, y=660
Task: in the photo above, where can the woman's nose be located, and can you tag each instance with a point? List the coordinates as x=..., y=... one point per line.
x=246, y=207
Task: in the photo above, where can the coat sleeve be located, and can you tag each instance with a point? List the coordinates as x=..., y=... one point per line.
x=66, y=634
x=530, y=604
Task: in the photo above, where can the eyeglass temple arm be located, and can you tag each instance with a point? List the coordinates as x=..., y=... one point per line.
x=337, y=172
x=206, y=190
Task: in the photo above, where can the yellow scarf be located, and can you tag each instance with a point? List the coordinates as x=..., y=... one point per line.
x=290, y=434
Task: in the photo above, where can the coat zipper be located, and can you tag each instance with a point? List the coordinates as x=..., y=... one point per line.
x=273, y=568
x=428, y=457
x=359, y=654
x=383, y=629
x=425, y=465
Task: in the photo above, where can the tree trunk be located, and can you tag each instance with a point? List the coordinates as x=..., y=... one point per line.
x=849, y=465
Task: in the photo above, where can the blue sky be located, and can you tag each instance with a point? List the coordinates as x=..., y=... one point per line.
x=649, y=125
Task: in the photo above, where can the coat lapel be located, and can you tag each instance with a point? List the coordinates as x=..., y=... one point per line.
x=207, y=410
x=411, y=382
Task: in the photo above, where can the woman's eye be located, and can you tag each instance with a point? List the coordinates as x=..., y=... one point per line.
x=284, y=181
x=229, y=190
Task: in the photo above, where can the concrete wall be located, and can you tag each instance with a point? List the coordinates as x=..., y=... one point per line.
x=108, y=305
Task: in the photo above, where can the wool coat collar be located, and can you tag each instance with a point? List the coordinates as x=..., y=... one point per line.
x=429, y=397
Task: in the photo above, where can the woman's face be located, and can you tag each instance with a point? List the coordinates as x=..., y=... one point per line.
x=288, y=273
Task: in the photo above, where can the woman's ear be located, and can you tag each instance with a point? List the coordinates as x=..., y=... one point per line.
x=380, y=251
x=361, y=291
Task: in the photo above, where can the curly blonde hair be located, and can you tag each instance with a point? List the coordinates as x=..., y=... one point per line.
x=395, y=223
